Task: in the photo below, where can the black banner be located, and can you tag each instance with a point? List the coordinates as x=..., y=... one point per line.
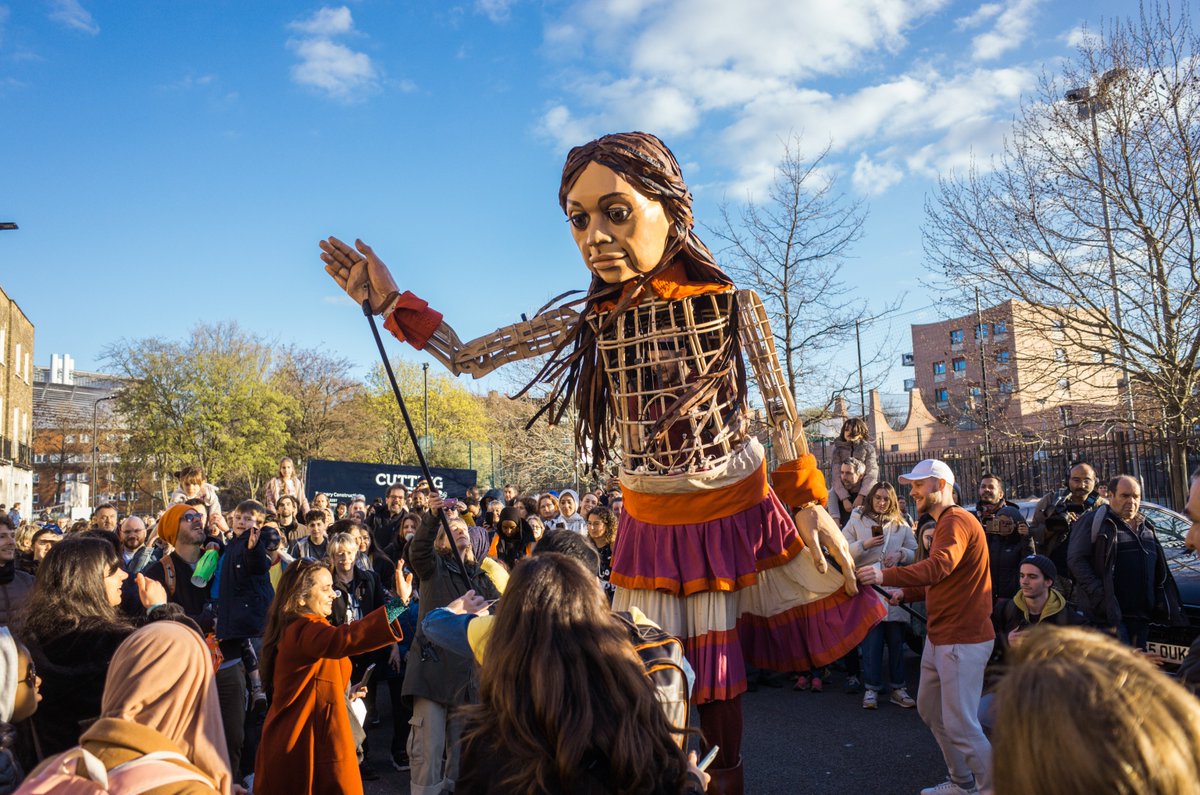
x=342, y=480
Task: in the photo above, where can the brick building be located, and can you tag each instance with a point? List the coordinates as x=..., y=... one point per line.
x=1041, y=376
x=16, y=405
x=75, y=427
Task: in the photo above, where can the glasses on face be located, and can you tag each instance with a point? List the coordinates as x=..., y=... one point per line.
x=192, y=516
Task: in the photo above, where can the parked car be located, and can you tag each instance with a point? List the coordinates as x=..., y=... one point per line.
x=1172, y=642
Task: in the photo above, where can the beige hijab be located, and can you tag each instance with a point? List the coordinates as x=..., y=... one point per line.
x=162, y=677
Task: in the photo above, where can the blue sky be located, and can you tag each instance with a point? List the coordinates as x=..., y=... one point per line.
x=176, y=162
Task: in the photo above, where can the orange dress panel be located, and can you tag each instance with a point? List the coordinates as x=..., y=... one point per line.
x=307, y=747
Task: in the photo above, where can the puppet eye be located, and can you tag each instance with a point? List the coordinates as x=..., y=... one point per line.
x=578, y=220
x=618, y=214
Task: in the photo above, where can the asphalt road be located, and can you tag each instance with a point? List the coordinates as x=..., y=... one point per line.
x=796, y=743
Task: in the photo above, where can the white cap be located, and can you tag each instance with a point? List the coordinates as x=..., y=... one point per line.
x=929, y=468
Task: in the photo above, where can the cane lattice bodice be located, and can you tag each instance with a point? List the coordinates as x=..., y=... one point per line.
x=656, y=355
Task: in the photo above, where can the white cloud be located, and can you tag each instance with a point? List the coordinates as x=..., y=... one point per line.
x=495, y=10
x=325, y=22
x=1012, y=28
x=984, y=13
x=874, y=178
x=73, y=15
x=334, y=69
x=329, y=66
x=1077, y=37
x=753, y=74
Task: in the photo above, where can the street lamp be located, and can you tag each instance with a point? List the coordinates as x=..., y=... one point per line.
x=1088, y=106
x=96, y=445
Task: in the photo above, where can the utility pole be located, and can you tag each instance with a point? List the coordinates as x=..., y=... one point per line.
x=425, y=374
x=862, y=395
x=981, y=335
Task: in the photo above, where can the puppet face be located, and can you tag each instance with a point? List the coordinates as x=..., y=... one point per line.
x=621, y=233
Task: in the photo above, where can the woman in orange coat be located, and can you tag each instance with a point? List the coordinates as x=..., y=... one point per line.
x=307, y=747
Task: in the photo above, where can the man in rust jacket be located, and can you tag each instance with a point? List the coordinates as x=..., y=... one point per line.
x=956, y=585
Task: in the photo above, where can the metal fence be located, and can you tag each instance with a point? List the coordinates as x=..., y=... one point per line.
x=1031, y=469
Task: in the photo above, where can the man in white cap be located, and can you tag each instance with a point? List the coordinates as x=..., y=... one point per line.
x=956, y=585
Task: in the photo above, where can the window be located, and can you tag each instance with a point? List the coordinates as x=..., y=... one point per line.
x=1003, y=357
x=3, y=345
x=1098, y=357
x=36, y=477
x=952, y=442
x=1060, y=354
x=960, y=365
x=1006, y=386
x=84, y=438
x=939, y=368
x=69, y=439
x=1064, y=385
x=942, y=395
x=976, y=392
x=981, y=331
x=1001, y=327
x=956, y=337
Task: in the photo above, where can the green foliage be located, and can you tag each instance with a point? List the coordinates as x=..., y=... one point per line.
x=208, y=400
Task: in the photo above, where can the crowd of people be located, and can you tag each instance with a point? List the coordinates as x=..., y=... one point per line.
x=246, y=651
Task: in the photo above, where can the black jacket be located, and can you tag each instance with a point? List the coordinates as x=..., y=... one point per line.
x=1092, y=558
x=432, y=672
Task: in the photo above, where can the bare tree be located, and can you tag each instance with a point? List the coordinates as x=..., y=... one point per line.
x=1091, y=218
x=320, y=384
x=789, y=249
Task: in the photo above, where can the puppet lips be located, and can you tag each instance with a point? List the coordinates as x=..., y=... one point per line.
x=607, y=259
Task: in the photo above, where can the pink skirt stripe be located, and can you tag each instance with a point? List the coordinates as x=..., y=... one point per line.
x=721, y=555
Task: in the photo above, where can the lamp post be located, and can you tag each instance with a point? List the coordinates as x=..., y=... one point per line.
x=96, y=444
x=1088, y=106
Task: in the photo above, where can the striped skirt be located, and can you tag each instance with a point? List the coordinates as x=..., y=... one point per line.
x=738, y=586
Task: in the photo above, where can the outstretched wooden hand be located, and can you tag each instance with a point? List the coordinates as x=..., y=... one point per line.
x=817, y=528
x=359, y=272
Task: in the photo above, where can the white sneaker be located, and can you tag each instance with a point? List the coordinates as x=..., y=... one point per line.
x=948, y=787
x=870, y=700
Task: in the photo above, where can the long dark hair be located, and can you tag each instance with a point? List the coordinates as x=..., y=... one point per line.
x=69, y=595
x=294, y=585
x=593, y=701
x=575, y=369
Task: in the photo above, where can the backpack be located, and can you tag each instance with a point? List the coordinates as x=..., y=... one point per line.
x=61, y=774
x=662, y=656
x=210, y=639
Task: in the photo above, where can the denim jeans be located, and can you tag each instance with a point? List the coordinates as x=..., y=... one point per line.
x=889, y=634
x=1134, y=632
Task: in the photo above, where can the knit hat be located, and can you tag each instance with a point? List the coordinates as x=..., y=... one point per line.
x=1044, y=564
x=8, y=674
x=168, y=525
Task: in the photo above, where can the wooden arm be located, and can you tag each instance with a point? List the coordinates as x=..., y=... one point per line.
x=523, y=340
x=787, y=433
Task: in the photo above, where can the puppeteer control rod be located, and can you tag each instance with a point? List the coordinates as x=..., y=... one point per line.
x=412, y=435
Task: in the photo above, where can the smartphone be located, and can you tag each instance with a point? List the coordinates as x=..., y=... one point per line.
x=366, y=680
x=709, y=757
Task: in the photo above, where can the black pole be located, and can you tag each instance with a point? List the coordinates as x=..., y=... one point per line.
x=412, y=435
x=887, y=596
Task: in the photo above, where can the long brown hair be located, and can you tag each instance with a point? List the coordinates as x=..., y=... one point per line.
x=592, y=701
x=295, y=584
x=68, y=594
x=892, y=512
x=575, y=369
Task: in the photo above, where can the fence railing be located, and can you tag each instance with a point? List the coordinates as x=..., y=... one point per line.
x=1031, y=469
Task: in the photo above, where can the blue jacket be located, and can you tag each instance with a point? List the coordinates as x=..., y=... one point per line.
x=245, y=592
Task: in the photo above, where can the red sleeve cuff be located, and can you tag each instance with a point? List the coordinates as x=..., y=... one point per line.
x=800, y=482
x=412, y=320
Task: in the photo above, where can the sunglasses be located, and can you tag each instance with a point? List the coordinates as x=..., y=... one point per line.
x=192, y=516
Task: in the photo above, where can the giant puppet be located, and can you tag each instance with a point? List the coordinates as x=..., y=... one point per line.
x=652, y=358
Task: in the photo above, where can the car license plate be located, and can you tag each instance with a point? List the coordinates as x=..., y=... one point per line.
x=1172, y=654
